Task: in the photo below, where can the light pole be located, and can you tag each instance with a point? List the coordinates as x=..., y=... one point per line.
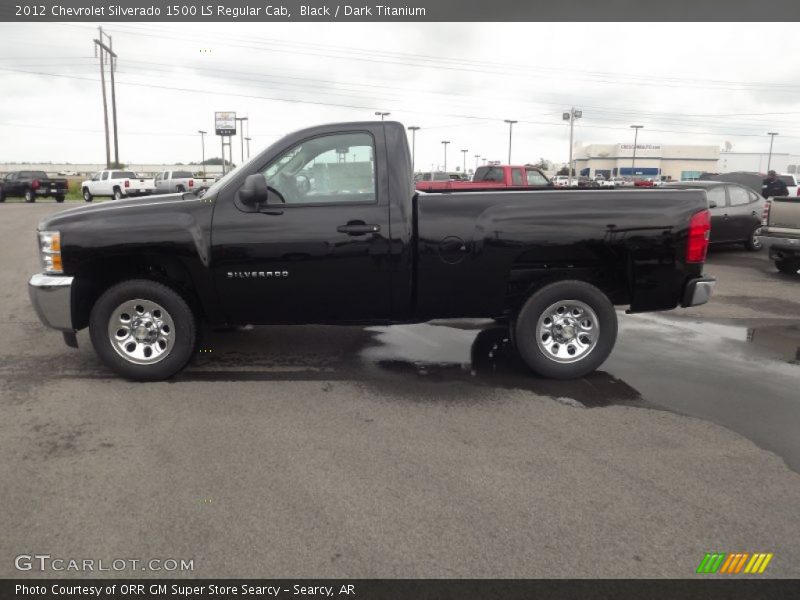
x=571, y=116
x=636, y=129
x=413, y=129
x=771, y=135
x=247, y=139
x=477, y=158
x=464, y=162
x=241, y=133
x=203, y=149
x=444, y=143
x=510, y=127
x=382, y=114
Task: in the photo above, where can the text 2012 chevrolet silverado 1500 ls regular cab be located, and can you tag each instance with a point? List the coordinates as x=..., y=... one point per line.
x=300, y=235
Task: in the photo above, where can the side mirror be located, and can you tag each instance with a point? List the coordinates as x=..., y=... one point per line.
x=712, y=204
x=254, y=191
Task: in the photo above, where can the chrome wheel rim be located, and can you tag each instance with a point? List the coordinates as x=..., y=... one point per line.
x=141, y=331
x=567, y=331
x=754, y=241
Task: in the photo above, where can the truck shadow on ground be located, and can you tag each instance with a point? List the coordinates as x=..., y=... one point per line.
x=457, y=362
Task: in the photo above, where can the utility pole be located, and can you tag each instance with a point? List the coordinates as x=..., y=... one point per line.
x=101, y=49
x=571, y=116
x=771, y=135
x=464, y=162
x=382, y=114
x=247, y=139
x=444, y=143
x=241, y=134
x=477, y=157
x=203, y=149
x=636, y=129
x=510, y=127
x=413, y=129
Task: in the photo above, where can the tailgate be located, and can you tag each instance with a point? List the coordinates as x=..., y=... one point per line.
x=784, y=216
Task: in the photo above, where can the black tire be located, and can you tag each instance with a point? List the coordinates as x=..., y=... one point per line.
x=117, y=194
x=788, y=266
x=596, y=346
x=87, y=195
x=185, y=329
x=2, y=194
x=180, y=189
x=30, y=196
x=59, y=199
x=752, y=242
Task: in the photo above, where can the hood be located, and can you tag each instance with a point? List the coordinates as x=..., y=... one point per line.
x=126, y=208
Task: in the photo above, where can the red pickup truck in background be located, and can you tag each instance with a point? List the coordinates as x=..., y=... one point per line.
x=492, y=177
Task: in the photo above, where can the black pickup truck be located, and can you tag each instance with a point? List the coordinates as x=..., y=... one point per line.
x=32, y=184
x=325, y=226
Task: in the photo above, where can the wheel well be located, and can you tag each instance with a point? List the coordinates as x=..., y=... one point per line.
x=170, y=272
x=611, y=285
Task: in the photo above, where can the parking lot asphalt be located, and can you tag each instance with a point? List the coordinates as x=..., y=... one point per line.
x=409, y=451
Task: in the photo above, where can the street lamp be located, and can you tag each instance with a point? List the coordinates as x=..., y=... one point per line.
x=382, y=114
x=510, y=126
x=241, y=133
x=247, y=139
x=203, y=146
x=413, y=129
x=464, y=162
x=571, y=116
x=771, y=135
x=636, y=129
x=444, y=143
x=477, y=158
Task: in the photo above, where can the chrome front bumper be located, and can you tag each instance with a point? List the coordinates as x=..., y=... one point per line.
x=698, y=291
x=51, y=296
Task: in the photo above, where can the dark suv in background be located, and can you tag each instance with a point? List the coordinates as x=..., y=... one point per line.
x=735, y=211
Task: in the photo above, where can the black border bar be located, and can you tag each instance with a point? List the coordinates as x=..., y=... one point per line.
x=713, y=588
x=283, y=11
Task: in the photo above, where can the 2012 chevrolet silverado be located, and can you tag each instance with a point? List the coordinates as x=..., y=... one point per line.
x=325, y=226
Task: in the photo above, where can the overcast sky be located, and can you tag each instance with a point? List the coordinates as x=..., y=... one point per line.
x=686, y=83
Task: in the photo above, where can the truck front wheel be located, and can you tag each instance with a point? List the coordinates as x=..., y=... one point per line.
x=87, y=195
x=143, y=330
x=566, y=330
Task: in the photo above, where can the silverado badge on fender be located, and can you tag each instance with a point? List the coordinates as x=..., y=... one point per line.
x=256, y=274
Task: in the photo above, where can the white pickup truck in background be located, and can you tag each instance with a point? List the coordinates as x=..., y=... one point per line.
x=170, y=182
x=117, y=184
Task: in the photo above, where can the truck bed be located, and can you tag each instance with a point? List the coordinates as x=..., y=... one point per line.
x=504, y=242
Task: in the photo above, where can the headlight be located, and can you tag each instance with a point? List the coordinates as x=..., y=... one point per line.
x=50, y=248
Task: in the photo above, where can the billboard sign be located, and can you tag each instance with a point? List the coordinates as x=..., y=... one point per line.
x=225, y=123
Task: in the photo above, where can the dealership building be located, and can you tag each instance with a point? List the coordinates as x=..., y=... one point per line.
x=674, y=162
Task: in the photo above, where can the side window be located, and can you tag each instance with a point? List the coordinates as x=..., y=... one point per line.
x=753, y=196
x=536, y=178
x=516, y=176
x=716, y=195
x=336, y=168
x=104, y=175
x=737, y=196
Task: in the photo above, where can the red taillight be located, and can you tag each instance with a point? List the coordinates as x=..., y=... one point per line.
x=699, y=234
x=35, y=184
x=191, y=183
x=765, y=212
x=127, y=183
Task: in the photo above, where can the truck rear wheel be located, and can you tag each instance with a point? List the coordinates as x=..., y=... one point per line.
x=143, y=330
x=566, y=330
x=117, y=194
x=30, y=195
x=59, y=198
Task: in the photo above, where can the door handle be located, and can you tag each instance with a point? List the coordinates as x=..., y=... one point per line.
x=358, y=228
